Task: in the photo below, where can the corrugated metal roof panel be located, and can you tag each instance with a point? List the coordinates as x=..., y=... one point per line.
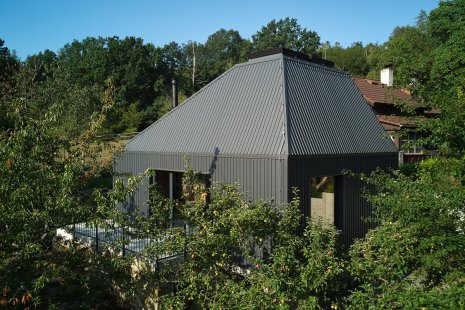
x=273, y=106
x=328, y=115
x=241, y=112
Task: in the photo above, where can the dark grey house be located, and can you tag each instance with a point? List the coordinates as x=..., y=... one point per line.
x=280, y=120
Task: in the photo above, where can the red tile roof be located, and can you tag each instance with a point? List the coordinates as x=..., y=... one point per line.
x=376, y=93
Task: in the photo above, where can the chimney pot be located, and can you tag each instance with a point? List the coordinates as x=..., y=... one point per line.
x=175, y=93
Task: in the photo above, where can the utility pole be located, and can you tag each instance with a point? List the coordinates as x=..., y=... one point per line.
x=193, y=65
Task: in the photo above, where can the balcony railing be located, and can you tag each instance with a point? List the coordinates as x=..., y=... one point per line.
x=123, y=241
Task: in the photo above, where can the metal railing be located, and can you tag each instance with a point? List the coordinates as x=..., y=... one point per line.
x=122, y=240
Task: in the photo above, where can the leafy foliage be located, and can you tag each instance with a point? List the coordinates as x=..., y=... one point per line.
x=353, y=59
x=41, y=191
x=286, y=33
x=447, y=131
x=236, y=253
x=414, y=257
x=8, y=64
x=427, y=57
x=222, y=50
x=225, y=259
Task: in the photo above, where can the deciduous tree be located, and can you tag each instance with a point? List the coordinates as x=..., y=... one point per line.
x=286, y=33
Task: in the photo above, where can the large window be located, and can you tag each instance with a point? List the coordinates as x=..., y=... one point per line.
x=200, y=190
x=171, y=185
x=322, y=202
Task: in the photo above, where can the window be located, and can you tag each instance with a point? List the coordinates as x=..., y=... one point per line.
x=322, y=200
x=200, y=191
x=170, y=184
x=410, y=143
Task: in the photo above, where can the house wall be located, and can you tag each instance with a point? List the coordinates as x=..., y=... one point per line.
x=350, y=208
x=271, y=178
x=258, y=178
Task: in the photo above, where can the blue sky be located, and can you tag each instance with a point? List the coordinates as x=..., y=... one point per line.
x=32, y=26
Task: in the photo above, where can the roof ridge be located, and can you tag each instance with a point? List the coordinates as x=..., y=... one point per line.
x=310, y=63
x=285, y=107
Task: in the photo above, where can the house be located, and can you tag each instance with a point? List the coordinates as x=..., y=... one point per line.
x=393, y=108
x=279, y=121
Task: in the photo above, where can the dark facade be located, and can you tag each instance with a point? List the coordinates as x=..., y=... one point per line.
x=273, y=123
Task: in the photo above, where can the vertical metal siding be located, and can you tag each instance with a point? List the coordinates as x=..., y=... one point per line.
x=301, y=170
x=259, y=178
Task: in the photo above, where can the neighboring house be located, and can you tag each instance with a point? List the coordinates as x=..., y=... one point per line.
x=279, y=121
x=393, y=107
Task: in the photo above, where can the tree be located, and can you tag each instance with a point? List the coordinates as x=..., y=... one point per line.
x=446, y=131
x=42, y=64
x=408, y=51
x=447, y=68
x=301, y=271
x=427, y=57
x=133, y=67
x=8, y=65
x=286, y=33
x=352, y=59
x=414, y=258
x=446, y=20
x=222, y=50
x=43, y=177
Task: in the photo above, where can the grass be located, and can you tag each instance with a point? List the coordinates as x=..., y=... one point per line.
x=110, y=148
x=105, y=158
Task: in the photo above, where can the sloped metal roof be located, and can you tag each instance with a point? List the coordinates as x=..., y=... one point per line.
x=241, y=112
x=270, y=106
x=328, y=115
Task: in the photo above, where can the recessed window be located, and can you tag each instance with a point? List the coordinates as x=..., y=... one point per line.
x=197, y=192
x=322, y=198
x=170, y=184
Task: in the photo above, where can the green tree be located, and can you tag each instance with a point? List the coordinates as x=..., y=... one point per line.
x=8, y=65
x=133, y=67
x=301, y=271
x=408, y=50
x=352, y=59
x=414, y=258
x=286, y=33
x=446, y=131
x=427, y=57
x=43, y=177
x=42, y=64
x=447, y=68
x=222, y=50
x=447, y=19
